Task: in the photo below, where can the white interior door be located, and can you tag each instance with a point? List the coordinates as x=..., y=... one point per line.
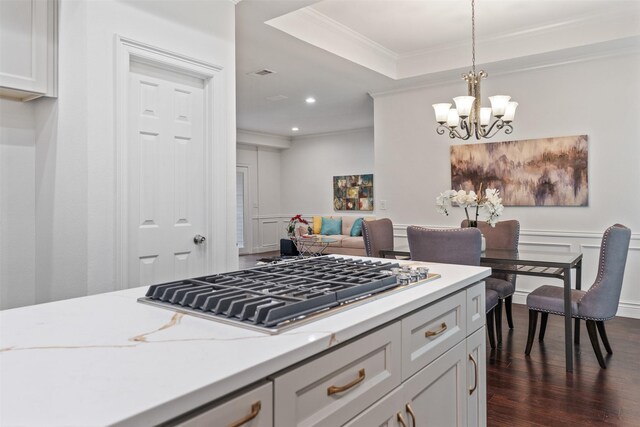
x=166, y=173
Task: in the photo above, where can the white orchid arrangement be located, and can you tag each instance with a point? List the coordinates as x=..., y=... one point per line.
x=491, y=203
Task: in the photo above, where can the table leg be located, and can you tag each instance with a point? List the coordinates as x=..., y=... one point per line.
x=576, y=332
x=568, y=345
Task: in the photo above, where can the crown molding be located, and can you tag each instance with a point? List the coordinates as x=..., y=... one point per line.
x=317, y=29
x=332, y=133
x=621, y=47
x=262, y=139
x=356, y=37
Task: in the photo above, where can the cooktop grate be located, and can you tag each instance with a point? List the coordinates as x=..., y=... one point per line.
x=273, y=297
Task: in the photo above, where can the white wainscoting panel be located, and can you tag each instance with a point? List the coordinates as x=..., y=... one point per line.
x=270, y=229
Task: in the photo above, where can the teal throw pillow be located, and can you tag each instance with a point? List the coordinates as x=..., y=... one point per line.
x=356, y=228
x=331, y=226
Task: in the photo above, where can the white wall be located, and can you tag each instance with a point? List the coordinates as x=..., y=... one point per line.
x=309, y=166
x=597, y=97
x=75, y=135
x=17, y=204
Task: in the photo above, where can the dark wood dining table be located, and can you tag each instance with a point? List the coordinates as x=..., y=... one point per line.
x=557, y=265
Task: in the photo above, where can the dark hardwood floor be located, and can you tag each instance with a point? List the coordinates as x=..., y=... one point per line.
x=248, y=261
x=536, y=390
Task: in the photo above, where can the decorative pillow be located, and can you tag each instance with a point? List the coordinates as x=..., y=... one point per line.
x=317, y=224
x=356, y=229
x=331, y=226
x=347, y=223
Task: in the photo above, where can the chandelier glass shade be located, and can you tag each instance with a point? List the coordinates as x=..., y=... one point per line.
x=469, y=118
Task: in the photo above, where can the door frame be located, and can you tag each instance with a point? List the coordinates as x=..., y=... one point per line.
x=247, y=226
x=126, y=51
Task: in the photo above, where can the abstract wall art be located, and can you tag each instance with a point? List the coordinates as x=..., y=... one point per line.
x=353, y=192
x=534, y=172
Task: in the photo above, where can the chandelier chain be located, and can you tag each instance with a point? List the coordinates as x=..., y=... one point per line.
x=473, y=36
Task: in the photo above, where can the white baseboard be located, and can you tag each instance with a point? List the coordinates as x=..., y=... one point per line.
x=263, y=249
x=625, y=309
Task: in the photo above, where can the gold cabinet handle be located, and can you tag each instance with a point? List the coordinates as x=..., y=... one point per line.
x=255, y=410
x=443, y=327
x=411, y=413
x=401, y=419
x=339, y=389
x=475, y=374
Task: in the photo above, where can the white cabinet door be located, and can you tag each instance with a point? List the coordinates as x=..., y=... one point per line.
x=476, y=314
x=383, y=413
x=477, y=379
x=27, y=48
x=437, y=395
x=251, y=409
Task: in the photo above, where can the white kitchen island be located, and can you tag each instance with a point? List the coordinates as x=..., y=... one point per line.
x=109, y=360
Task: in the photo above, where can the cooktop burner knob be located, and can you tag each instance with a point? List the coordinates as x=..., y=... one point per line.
x=199, y=240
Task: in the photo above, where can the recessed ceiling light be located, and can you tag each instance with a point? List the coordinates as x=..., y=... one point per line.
x=294, y=129
x=310, y=100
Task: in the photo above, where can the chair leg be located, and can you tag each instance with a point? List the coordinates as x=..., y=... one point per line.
x=498, y=315
x=490, y=326
x=533, y=320
x=593, y=336
x=507, y=309
x=603, y=335
x=543, y=325
x=576, y=332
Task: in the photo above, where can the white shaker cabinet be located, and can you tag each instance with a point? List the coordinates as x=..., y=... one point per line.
x=28, y=49
x=434, y=357
x=253, y=408
x=330, y=390
x=435, y=396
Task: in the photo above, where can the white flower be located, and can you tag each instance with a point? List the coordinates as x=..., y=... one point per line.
x=443, y=202
x=492, y=206
x=491, y=203
x=464, y=200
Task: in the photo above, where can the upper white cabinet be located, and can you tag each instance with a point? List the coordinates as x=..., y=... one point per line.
x=28, y=48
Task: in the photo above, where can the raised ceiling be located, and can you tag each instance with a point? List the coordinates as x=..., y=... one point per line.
x=340, y=50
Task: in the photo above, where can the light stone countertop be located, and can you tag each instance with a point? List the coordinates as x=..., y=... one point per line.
x=107, y=359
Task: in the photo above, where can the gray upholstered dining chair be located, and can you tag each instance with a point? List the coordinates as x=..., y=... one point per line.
x=596, y=305
x=453, y=246
x=377, y=234
x=490, y=304
x=505, y=235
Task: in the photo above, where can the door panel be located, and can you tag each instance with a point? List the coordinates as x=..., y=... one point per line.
x=166, y=175
x=437, y=394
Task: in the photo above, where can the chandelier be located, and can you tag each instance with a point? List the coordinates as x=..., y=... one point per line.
x=469, y=118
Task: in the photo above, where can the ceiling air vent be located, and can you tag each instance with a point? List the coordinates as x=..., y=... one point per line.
x=276, y=98
x=261, y=73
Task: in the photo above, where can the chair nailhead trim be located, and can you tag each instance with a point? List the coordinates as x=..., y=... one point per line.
x=561, y=313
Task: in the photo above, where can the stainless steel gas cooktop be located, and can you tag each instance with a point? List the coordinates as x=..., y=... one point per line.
x=276, y=297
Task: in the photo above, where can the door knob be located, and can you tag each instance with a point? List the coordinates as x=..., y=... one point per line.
x=199, y=240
